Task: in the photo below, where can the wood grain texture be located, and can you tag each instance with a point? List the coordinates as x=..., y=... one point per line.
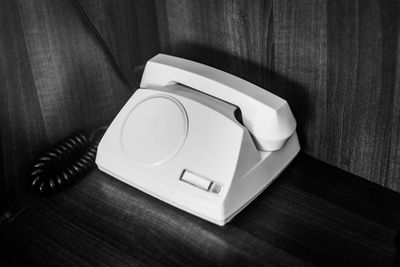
x=74, y=81
x=336, y=62
x=300, y=44
x=313, y=214
x=363, y=57
x=22, y=129
x=55, y=79
x=218, y=33
x=129, y=29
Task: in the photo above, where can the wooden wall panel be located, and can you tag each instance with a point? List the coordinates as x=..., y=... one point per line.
x=218, y=33
x=75, y=83
x=300, y=42
x=363, y=40
x=22, y=130
x=393, y=173
x=336, y=62
x=129, y=28
x=56, y=78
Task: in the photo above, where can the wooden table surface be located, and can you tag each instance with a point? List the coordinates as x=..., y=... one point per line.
x=313, y=214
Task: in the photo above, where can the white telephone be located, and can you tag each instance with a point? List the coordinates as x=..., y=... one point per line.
x=199, y=138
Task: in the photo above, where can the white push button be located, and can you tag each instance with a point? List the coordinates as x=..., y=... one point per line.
x=196, y=180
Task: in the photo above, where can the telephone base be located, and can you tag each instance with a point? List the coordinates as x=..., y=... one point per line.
x=240, y=195
x=199, y=138
x=271, y=166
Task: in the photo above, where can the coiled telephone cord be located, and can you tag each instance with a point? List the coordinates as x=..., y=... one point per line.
x=64, y=163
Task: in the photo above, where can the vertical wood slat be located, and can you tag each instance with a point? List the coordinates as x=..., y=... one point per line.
x=76, y=85
x=231, y=35
x=362, y=54
x=56, y=77
x=394, y=153
x=300, y=41
x=129, y=29
x=335, y=62
x=22, y=131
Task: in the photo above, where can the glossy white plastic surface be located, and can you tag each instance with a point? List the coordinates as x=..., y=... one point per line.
x=158, y=122
x=196, y=180
x=267, y=116
x=190, y=149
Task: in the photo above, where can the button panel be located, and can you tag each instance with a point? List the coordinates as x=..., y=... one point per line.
x=196, y=180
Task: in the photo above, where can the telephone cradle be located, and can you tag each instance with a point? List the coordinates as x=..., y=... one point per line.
x=199, y=138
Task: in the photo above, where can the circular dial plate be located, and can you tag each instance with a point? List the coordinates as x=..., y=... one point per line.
x=154, y=131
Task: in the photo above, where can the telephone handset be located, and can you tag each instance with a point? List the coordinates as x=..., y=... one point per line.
x=181, y=138
x=267, y=116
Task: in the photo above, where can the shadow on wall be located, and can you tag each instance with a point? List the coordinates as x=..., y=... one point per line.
x=295, y=94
